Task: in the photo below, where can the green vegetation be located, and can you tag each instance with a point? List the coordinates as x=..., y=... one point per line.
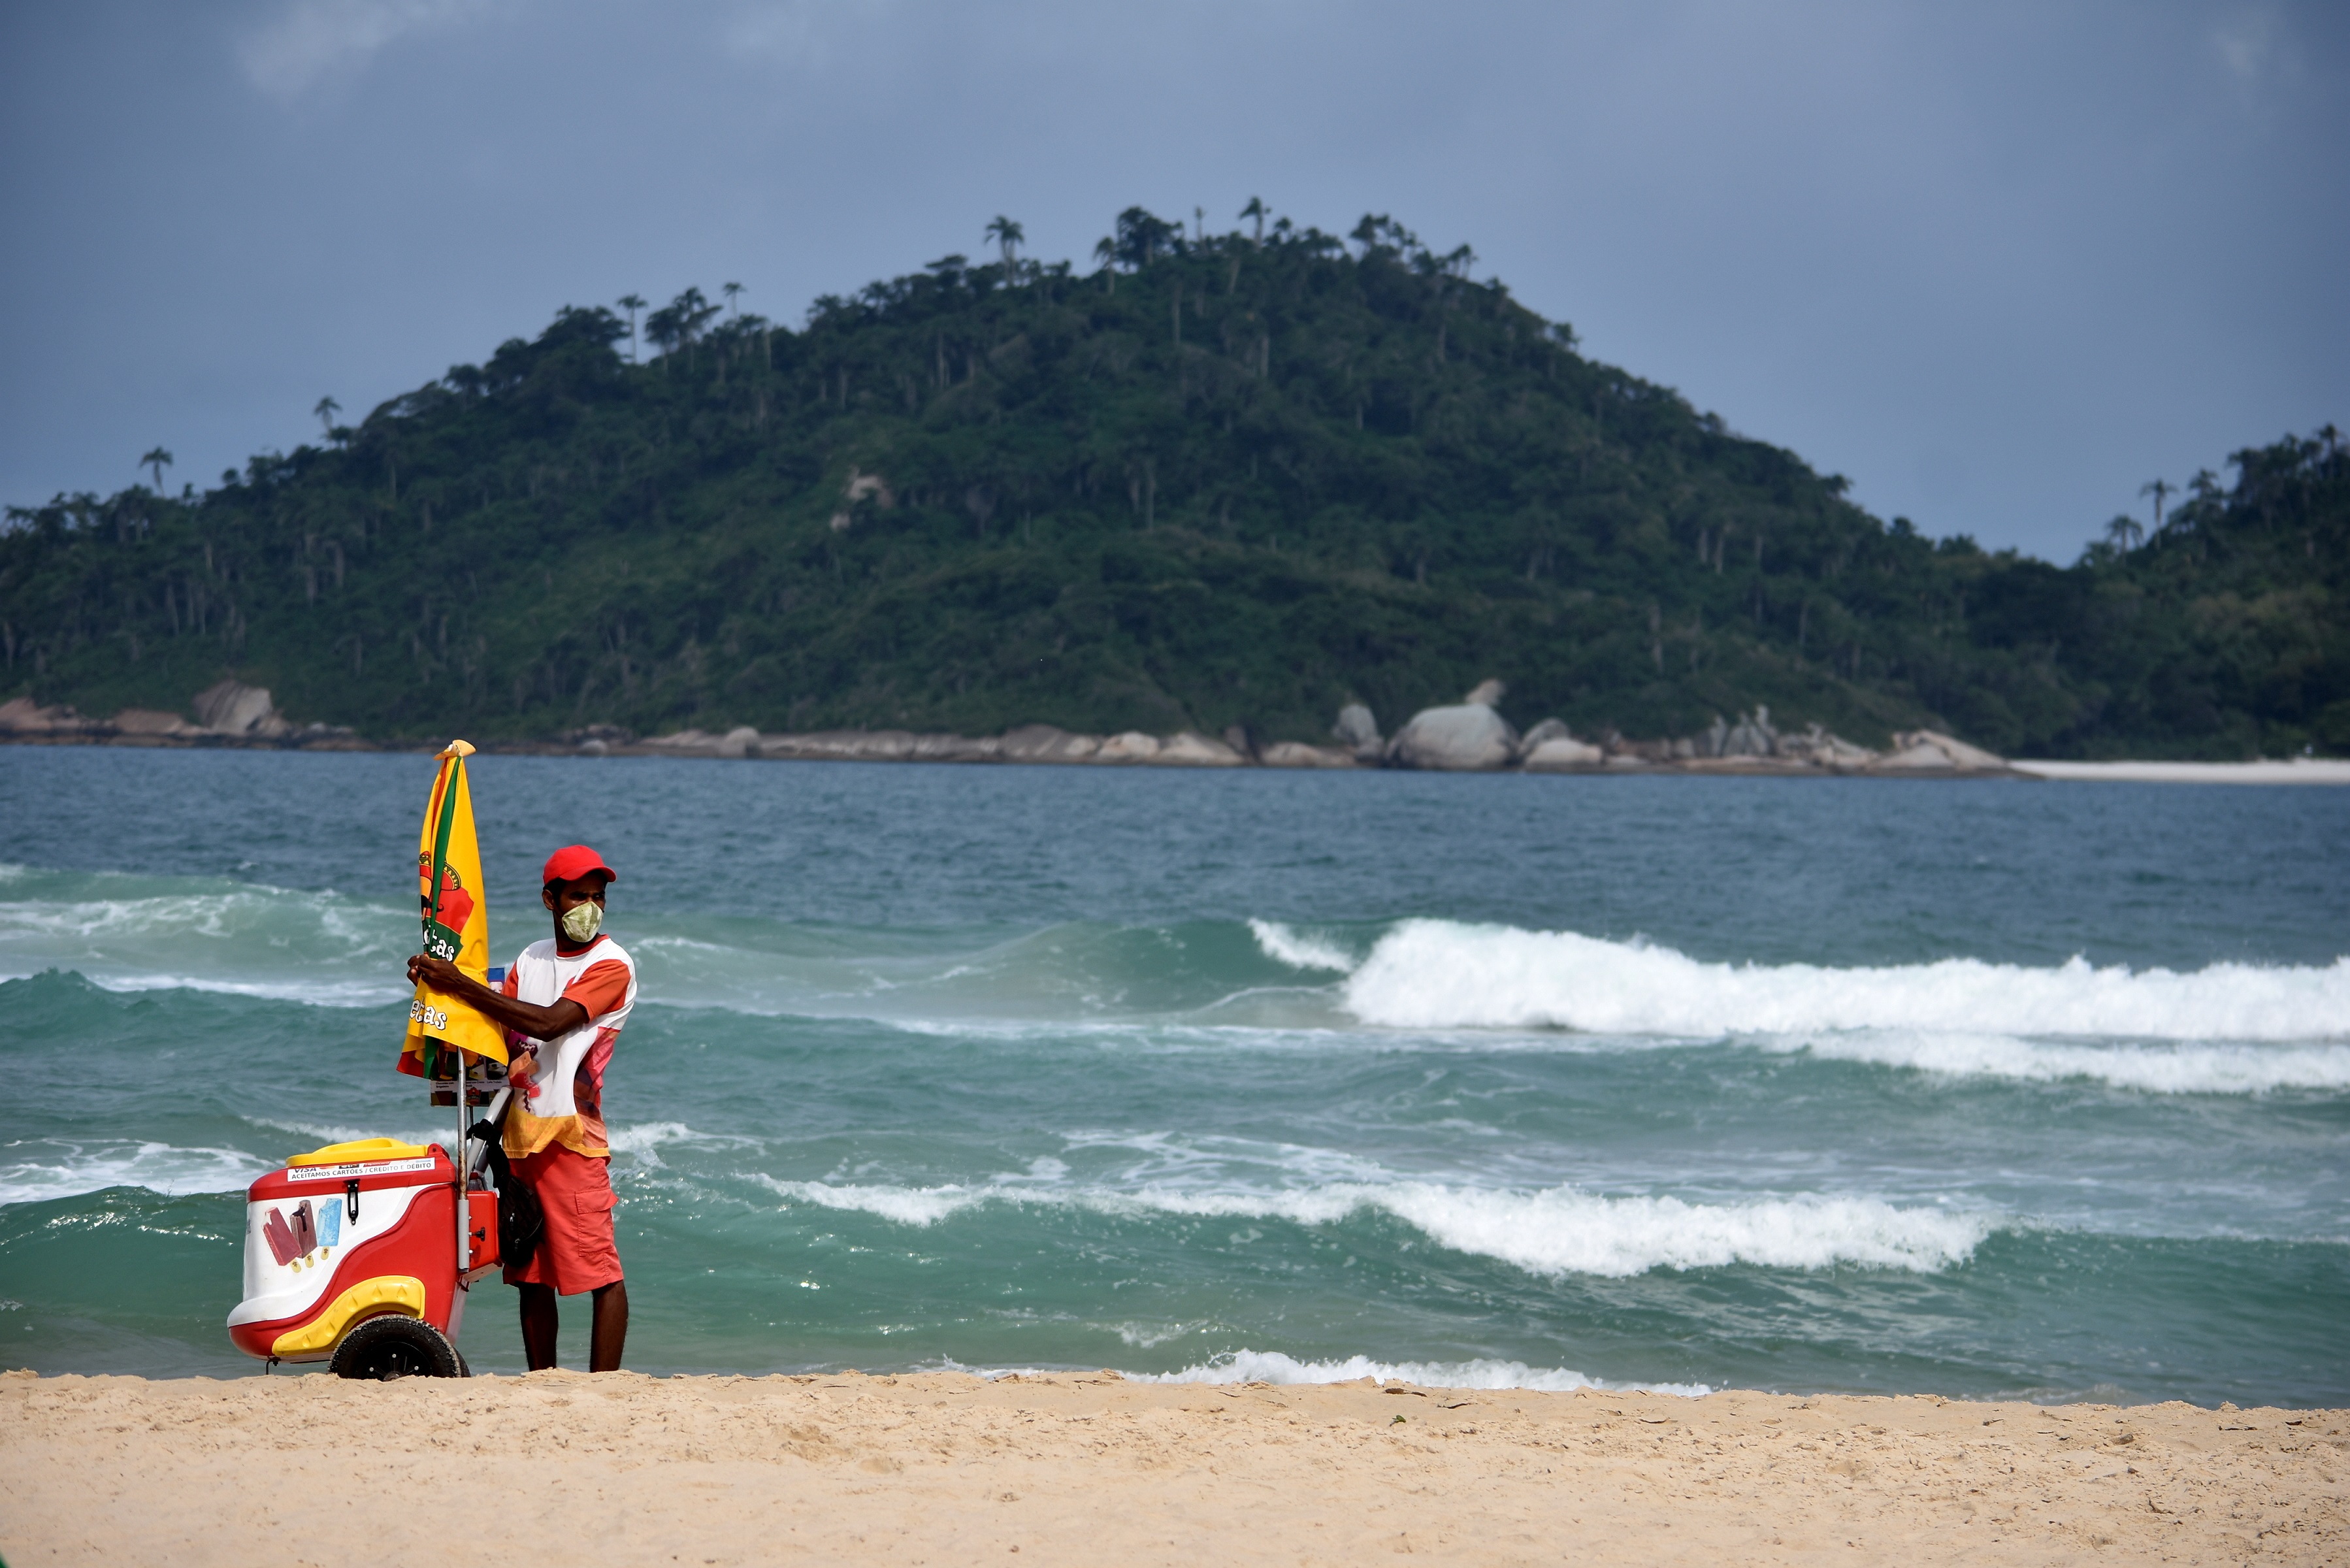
x=1236, y=479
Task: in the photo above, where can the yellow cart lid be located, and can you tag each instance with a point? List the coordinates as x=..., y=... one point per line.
x=364, y=1150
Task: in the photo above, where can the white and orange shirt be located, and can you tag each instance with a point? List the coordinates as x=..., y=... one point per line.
x=561, y=1098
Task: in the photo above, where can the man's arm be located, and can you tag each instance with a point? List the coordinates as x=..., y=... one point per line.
x=559, y=1018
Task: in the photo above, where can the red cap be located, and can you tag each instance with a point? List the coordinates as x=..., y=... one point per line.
x=574, y=861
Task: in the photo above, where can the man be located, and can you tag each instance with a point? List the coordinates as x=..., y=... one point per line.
x=562, y=1006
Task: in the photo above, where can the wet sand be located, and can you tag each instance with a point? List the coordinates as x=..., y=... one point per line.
x=1087, y=1468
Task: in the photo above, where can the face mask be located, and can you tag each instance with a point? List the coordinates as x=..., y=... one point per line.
x=582, y=921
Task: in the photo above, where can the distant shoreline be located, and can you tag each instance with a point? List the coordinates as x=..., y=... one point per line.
x=901, y=746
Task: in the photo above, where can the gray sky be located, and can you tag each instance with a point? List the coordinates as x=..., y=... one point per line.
x=2000, y=264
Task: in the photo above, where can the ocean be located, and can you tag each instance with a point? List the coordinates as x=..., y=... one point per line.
x=1971, y=1088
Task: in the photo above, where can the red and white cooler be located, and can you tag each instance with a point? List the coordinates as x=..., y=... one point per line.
x=352, y=1255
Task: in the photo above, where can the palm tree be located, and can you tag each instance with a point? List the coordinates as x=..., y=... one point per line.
x=662, y=326
x=2158, y=489
x=1007, y=235
x=681, y=323
x=1141, y=236
x=155, y=461
x=1256, y=209
x=327, y=410
x=729, y=290
x=631, y=303
x=2125, y=533
x=1106, y=252
x=693, y=313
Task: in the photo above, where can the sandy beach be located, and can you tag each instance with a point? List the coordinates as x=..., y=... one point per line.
x=1091, y=1469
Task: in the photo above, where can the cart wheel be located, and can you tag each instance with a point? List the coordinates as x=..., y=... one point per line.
x=395, y=1346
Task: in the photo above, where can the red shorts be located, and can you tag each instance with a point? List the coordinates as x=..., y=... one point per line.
x=574, y=1191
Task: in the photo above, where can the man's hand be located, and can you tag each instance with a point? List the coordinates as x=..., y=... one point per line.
x=438, y=973
x=522, y=1017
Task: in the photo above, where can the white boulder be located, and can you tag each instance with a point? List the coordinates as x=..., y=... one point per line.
x=1133, y=746
x=1048, y=744
x=231, y=708
x=1187, y=750
x=1467, y=738
x=1357, y=730
x=1294, y=754
x=1562, y=753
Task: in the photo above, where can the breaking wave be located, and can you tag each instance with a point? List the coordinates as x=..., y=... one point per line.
x=1556, y=1232
x=129, y=932
x=1441, y=974
x=1285, y=944
x=36, y=1170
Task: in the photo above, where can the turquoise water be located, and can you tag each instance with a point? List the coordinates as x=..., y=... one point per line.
x=1961, y=1087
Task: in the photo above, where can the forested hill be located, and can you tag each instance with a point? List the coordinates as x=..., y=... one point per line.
x=1236, y=479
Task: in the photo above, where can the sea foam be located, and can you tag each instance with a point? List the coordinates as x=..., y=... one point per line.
x=1556, y=1232
x=1442, y=974
x=906, y=1205
x=2224, y=1069
x=1274, y=1366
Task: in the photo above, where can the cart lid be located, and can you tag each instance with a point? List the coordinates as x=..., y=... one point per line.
x=363, y=1149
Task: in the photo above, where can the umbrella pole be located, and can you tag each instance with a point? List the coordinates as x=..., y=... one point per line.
x=464, y=1153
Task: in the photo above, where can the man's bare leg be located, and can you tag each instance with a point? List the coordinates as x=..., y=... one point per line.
x=611, y=1330
x=538, y=1323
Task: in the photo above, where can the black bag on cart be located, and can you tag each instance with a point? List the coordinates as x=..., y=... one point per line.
x=521, y=1221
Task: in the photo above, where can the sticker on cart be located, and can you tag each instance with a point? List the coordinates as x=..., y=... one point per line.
x=346, y=1172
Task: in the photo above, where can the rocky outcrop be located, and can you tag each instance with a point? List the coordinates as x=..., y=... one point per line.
x=1465, y=737
x=955, y=749
x=1821, y=748
x=1295, y=755
x=154, y=727
x=1751, y=736
x=231, y=714
x=1186, y=750
x=1470, y=738
x=603, y=740
x=1044, y=744
x=1133, y=746
x=874, y=746
x=1551, y=748
x=21, y=717
x=841, y=746
x=1930, y=752
x=1549, y=730
x=682, y=743
x=1563, y=755
x=231, y=708
x=1357, y=730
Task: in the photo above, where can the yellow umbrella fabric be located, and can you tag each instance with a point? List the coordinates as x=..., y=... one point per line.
x=456, y=920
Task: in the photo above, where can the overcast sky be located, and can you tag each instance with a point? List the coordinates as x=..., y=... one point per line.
x=1999, y=264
